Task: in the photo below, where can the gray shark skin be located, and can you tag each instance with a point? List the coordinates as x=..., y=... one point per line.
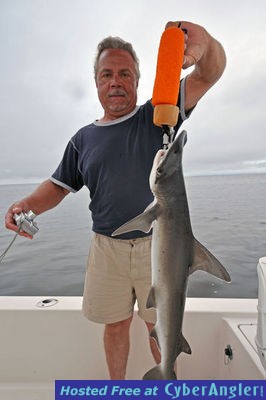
x=175, y=255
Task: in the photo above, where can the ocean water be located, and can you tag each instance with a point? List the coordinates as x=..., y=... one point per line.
x=227, y=214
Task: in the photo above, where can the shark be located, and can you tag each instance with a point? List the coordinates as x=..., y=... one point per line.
x=175, y=254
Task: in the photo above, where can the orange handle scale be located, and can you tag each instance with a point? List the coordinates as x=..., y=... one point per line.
x=167, y=80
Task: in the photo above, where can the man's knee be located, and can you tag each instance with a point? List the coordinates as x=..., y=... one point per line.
x=120, y=326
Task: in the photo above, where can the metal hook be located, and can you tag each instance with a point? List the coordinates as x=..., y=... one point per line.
x=168, y=136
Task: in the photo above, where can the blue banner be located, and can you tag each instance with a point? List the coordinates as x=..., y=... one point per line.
x=159, y=390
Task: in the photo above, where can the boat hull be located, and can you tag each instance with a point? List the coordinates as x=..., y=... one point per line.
x=41, y=345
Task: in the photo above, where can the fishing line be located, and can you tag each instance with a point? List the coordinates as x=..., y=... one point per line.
x=25, y=222
x=10, y=244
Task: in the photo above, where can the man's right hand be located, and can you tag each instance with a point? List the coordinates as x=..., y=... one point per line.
x=46, y=196
x=10, y=223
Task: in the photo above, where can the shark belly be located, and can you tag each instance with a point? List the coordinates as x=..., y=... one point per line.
x=170, y=266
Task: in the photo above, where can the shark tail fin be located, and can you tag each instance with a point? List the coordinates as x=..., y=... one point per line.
x=156, y=373
x=204, y=260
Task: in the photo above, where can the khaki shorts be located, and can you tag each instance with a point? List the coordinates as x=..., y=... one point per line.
x=118, y=274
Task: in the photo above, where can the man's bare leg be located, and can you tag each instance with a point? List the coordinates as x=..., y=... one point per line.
x=153, y=345
x=116, y=344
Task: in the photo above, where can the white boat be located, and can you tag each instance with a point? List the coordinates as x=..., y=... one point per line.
x=42, y=340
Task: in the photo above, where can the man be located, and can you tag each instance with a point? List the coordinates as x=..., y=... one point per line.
x=113, y=158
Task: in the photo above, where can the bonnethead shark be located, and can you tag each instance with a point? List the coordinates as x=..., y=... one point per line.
x=175, y=255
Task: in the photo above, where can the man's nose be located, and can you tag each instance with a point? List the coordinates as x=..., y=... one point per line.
x=116, y=80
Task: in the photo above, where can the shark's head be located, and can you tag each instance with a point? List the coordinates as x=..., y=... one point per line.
x=168, y=162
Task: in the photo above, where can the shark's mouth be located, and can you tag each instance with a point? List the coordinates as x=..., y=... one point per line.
x=160, y=156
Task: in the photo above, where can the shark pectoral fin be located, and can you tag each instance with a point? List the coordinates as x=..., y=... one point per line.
x=151, y=303
x=204, y=260
x=142, y=222
x=150, y=206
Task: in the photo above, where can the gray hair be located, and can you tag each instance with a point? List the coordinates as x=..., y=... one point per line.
x=116, y=43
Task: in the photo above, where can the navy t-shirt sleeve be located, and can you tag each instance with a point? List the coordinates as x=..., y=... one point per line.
x=68, y=174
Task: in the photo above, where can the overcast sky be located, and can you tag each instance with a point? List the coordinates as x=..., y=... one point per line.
x=47, y=48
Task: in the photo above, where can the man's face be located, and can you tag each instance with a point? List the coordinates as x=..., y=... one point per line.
x=117, y=83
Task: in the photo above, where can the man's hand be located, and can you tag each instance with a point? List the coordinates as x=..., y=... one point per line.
x=10, y=223
x=46, y=196
x=206, y=54
x=196, y=41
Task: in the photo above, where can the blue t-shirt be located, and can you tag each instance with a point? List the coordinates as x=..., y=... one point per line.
x=114, y=161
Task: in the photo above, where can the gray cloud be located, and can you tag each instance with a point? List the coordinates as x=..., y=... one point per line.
x=48, y=92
